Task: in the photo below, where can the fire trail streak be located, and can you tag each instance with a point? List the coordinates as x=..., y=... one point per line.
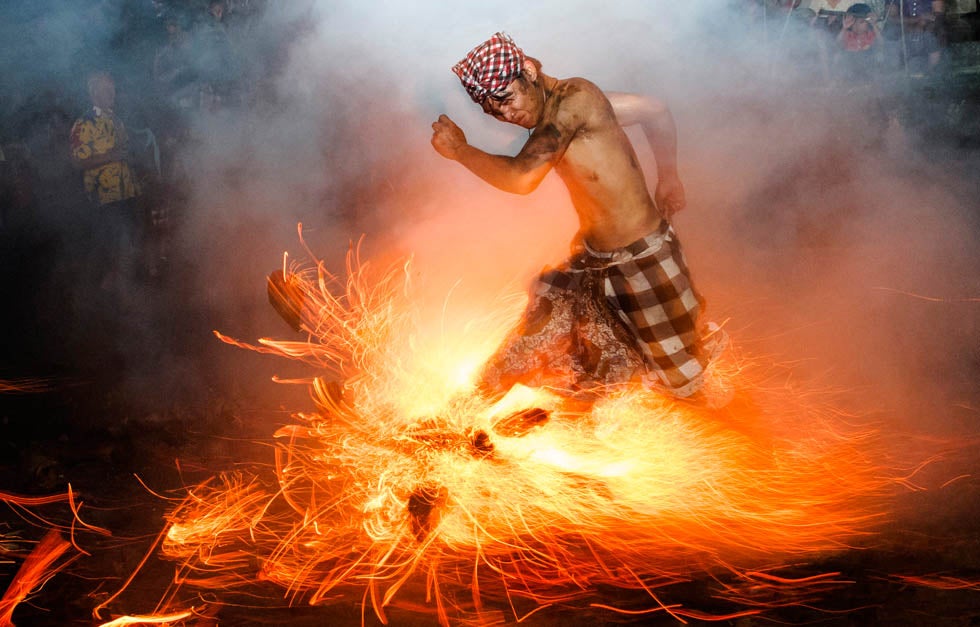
x=403, y=477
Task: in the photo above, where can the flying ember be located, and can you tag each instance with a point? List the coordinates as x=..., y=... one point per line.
x=406, y=486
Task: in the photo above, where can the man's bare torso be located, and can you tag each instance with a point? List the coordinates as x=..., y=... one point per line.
x=598, y=165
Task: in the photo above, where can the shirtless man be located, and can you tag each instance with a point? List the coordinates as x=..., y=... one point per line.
x=626, y=254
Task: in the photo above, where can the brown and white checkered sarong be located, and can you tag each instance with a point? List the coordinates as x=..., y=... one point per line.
x=605, y=317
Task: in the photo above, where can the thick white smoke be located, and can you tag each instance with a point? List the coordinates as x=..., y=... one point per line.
x=814, y=224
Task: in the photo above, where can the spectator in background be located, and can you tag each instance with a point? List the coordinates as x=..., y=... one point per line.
x=171, y=64
x=829, y=14
x=919, y=26
x=216, y=59
x=858, y=43
x=16, y=188
x=827, y=19
x=964, y=24
x=98, y=144
x=45, y=135
x=234, y=19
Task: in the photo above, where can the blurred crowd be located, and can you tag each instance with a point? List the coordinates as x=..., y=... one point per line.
x=94, y=177
x=109, y=137
x=840, y=41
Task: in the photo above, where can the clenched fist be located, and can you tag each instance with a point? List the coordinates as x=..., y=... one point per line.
x=447, y=138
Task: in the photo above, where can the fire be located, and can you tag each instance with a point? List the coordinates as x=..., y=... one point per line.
x=405, y=477
x=38, y=567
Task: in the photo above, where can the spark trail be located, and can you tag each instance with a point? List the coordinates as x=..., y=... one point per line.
x=404, y=482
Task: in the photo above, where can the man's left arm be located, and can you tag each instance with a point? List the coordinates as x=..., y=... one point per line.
x=658, y=126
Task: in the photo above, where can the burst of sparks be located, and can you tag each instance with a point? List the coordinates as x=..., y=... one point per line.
x=402, y=475
x=33, y=572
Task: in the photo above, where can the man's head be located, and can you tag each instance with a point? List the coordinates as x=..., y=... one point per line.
x=102, y=90
x=175, y=29
x=216, y=8
x=500, y=78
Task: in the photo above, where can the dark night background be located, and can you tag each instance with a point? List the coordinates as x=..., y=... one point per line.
x=834, y=219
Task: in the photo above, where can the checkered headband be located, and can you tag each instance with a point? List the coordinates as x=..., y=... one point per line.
x=490, y=67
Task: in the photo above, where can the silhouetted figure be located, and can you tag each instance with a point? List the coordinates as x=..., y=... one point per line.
x=216, y=60
x=172, y=69
x=98, y=144
x=858, y=43
x=827, y=20
x=918, y=25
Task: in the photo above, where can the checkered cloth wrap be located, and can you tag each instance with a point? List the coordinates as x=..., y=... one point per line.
x=607, y=318
x=490, y=67
x=648, y=287
x=644, y=293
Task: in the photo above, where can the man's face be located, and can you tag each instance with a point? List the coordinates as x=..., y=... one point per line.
x=103, y=92
x=519, y=103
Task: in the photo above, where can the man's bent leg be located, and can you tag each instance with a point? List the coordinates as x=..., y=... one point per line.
x=536, y=352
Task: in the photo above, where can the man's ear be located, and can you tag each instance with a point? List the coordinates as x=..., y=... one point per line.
x=530, y=71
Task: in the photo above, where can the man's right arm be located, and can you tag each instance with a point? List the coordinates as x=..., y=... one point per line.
x=520, y=174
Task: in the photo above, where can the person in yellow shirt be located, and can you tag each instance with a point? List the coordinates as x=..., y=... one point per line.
x=98, y=148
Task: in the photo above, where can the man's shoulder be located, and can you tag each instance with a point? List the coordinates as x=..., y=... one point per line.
x=580, y=94
x=583, y=100
x=577, y=88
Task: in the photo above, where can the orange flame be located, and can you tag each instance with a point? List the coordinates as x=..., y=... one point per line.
x=33, y=572
x=404, y=476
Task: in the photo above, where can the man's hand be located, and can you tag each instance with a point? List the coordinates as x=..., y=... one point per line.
x=447, y=138
x=669, y=195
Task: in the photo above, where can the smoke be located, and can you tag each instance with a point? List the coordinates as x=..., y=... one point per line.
x=817, y=225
